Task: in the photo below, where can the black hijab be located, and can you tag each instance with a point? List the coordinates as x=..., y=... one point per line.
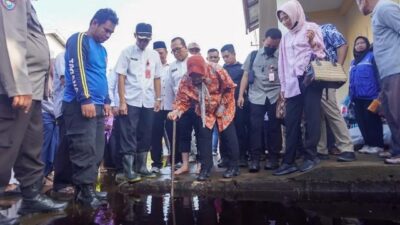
x=358, y=56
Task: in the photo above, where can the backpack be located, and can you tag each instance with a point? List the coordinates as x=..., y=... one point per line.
x=253, y=55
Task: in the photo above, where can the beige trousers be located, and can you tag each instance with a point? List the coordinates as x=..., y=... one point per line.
x=330, y=114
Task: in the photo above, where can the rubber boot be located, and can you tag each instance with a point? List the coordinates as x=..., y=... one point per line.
x=141, y=165
x=129, y=174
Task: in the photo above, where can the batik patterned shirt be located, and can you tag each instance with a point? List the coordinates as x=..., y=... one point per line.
x=221, y=89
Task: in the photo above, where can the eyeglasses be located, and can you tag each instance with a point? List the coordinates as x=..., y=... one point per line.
x=175, y=50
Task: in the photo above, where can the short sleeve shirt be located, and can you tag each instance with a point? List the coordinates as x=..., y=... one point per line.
x=262, y=87
x=140, y=67
x=333, y=39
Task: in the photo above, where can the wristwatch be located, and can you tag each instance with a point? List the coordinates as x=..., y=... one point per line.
x=158, y=99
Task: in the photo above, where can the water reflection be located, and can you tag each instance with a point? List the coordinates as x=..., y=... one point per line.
x=190, y=210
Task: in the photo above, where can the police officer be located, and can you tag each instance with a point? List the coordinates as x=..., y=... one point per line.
x=24, y=65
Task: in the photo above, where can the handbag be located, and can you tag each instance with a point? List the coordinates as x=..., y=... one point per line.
x=328, y=74
x=280, y=108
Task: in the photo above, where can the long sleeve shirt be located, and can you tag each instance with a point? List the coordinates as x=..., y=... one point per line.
x=24, y=51
x=221, y=89
x=85, y=76
x=295, y=54
x=386, y=29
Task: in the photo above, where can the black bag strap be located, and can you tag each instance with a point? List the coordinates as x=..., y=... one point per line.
x=253, y=55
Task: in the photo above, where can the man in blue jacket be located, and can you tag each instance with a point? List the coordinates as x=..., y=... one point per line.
x=86, y=102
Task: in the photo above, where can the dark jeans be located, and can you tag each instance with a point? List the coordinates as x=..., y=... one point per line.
x=21, y=139
x=62, y=163
x=370, y=124
x=162, y=127
x=136, y=128
x=186, y=124
x=271, y=130
x=85, y=142
x=309, y=102
x=391, y=107
x=50, y=142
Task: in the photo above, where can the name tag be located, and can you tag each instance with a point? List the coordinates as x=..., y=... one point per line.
x=174, y=70
x=134, y=59
x=271, y=77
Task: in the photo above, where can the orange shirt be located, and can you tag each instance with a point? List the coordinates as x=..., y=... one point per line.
x=221, y=89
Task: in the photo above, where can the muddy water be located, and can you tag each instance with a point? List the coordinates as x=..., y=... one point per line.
x=187, y=210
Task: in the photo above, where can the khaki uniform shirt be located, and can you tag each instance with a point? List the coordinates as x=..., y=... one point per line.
x=24, y=51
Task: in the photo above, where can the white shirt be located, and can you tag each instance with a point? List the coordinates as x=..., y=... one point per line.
x=58, y=94
x=176, y=71
x=112, y=79
x=133, y=63
x=167, y=94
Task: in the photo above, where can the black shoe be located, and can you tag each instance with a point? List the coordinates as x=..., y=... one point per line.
x=243, y=162
x=254, y=166
x=323, y=156
x=285, y=169
x=271, y=165
x=35, y=202
x=102, y=195
x=231, y=172
x=141, y=168
x=9, y=221
x=308, y=165
x=223, y=164
x=86, y=196
x=203, y=176
x=346, y=157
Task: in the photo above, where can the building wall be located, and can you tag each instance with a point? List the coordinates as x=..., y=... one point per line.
x=54, y=46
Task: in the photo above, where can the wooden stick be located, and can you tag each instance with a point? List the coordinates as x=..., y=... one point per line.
x=173, y=160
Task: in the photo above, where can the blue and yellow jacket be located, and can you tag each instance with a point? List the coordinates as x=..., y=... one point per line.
x=85, y=71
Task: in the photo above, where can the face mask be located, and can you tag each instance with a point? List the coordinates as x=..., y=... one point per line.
x=269, y=51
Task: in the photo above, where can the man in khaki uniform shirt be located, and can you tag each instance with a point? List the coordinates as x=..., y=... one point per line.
x=24, y=64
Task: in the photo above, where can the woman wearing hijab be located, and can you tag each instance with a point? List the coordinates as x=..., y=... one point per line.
x=298, y=47
x=363, y=89
x=211, y=90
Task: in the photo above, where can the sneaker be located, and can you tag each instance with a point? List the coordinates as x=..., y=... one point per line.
x=364, y=149
x=374, y=150
x=155, y=169
x=385, y=154
x=393, y=160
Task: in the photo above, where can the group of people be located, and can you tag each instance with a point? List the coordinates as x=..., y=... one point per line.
x=145, y=94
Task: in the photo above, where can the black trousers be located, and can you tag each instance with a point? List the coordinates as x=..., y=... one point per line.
x=231, y=144
x=204, y=143
x=162, y=127
x=309, y=102
x=114, y=144
x=85, y=142
x=21, y=139
x=242, y=127
x=136, y=130
x=62, y=163
x=271, y=130
x=370, y=124
x=186, y=124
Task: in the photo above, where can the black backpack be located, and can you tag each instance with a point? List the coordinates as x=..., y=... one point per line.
x=253, y=55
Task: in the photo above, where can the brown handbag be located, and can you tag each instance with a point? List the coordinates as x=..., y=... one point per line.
x=280, y=108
